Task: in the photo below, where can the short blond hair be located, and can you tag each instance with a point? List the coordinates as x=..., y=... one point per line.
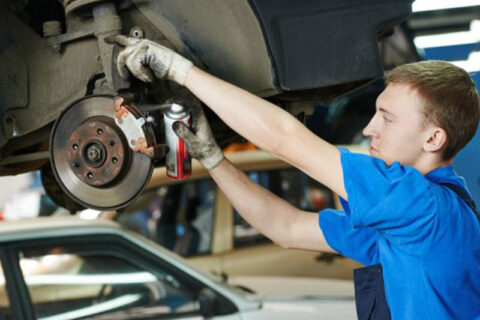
x=450, y=99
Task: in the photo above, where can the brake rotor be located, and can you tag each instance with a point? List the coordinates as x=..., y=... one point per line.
x=91, y=159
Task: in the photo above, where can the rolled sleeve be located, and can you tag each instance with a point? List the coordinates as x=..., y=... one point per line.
x=359, y=244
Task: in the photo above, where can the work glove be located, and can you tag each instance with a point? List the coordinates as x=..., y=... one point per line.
x=145, y=59
x=199, y=139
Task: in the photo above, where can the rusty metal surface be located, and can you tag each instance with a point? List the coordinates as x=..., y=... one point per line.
x=224, y=34
x=97, y=153
x=54, y=80
x=117, y=183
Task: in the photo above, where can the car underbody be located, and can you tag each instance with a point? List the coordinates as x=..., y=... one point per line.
x=58, y=75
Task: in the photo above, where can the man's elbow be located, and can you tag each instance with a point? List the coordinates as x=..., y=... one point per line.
x=280, y=138
x=283, y=243
x=286, y=238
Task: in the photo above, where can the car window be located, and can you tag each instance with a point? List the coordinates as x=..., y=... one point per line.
x=5, y=312
x=179, y=218
x=290, y=184
x=87, y=284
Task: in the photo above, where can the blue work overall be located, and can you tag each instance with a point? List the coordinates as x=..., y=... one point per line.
x=370, y=296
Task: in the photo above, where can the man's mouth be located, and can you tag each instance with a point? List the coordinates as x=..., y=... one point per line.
x=372, y=150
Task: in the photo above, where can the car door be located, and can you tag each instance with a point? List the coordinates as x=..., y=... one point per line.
x=105, y=277
x=10, y=299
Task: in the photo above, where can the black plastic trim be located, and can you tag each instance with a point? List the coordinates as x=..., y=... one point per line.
x=324, y=43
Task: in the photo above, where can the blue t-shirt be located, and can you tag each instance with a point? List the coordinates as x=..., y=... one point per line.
x=426, y=238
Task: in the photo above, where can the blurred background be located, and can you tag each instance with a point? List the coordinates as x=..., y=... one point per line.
x=183, y=217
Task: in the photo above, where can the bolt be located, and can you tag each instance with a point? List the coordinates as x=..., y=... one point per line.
x=75, y=146
x=112, y=143
x=136, y=32
x=89, y=175
x=94, y=153
x=114, y=160
x=99, y=131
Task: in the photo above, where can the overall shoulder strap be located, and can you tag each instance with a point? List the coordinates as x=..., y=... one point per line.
x=459, y=191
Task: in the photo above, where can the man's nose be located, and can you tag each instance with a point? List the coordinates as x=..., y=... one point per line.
x=369, y=130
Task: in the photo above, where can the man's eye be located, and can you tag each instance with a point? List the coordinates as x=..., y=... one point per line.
x=386, y=119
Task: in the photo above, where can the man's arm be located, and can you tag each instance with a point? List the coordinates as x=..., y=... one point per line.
x=270, y=128
x=274, y=217
x=261, y=122
x=269, y=214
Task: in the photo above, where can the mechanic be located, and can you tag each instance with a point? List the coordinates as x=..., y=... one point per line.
x=407, y=215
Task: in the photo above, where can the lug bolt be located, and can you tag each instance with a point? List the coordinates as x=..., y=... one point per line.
x=114, y=160
x=99, y=131
x=75, y=146
x=89, y=175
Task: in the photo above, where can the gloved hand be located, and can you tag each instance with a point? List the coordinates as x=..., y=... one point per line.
x=199, y=139
x=145, y=58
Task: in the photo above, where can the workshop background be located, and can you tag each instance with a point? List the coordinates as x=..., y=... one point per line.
x=192, y=217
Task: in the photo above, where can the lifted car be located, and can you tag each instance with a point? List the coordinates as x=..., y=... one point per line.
x=58, y=75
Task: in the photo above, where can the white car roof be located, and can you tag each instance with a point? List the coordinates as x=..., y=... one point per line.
x=44, y=227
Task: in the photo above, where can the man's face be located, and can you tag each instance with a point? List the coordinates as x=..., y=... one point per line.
x=397, y=130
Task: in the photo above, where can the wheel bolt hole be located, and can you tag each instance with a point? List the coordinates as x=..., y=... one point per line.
x=112, y=143
x=99, y=131
x=76, y=165
x=75, y=146
x=89, y=175
x=114, y=160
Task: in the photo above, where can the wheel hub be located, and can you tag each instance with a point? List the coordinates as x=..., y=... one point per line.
x=97, y=154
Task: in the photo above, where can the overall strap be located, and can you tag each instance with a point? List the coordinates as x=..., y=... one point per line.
x=459, y=191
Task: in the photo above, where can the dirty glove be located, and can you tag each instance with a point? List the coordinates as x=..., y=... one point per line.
x=199, y=139
x=145, y=58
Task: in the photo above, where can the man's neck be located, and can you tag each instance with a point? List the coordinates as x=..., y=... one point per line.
x=428, y=164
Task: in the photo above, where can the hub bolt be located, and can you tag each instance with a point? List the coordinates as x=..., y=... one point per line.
x=75, y=146
x=114, y=160
x=89, y=175
x=94, y=153
x=99, y=131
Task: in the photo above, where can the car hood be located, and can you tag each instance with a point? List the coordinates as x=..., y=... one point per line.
x=300, y=309
x=298, y=298
x=267, y=287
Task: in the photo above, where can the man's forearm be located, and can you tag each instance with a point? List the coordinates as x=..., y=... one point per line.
x=272, y=216
x=254, y=118
x=270, y=128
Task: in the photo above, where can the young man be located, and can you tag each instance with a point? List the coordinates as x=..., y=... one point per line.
x=406, y=212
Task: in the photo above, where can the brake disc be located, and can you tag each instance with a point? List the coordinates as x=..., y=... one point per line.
x=91, y=158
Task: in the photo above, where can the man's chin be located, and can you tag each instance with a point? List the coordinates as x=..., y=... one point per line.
x=374, y=153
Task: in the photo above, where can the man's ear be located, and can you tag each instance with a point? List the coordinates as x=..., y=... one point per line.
x=436, y=139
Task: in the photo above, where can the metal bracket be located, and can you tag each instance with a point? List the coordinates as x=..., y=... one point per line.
x=73, y=36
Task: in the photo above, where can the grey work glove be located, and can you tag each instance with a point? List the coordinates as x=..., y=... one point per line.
x=199, y=139
x=146, y=59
